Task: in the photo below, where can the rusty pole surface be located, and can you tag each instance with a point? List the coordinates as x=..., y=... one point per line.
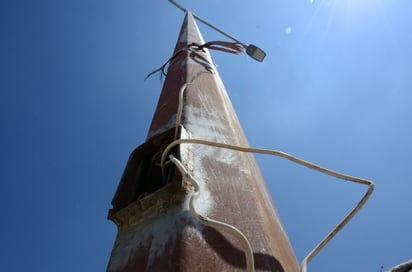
x=156, y=231
x=403, y=267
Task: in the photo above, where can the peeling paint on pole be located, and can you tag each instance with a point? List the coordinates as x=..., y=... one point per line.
x=156, y=231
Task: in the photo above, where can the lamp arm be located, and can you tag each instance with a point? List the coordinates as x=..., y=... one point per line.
x=207, y=24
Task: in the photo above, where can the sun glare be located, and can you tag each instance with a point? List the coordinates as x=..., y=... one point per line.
x=360, y=7
x=355, y=16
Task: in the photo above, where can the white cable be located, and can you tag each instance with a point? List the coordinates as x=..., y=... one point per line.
x=214, y=223
x=315, y=167
x=180, y=108
x=250, y=263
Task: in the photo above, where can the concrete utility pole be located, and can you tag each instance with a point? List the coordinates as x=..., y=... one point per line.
x=156, y=230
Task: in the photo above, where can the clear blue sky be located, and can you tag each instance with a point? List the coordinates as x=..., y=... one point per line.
x=335, y=89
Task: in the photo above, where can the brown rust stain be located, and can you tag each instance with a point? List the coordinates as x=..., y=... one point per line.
x=238, y=192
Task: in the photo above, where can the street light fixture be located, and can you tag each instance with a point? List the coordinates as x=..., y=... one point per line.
x=252, y=50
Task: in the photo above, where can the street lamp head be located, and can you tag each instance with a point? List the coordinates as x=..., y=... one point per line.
x=252, y=50
x=255, y=52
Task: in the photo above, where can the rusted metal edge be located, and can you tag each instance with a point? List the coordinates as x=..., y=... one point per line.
x=173, y=194
x=403, y=267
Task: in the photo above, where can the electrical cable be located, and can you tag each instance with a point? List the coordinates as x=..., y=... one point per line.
x=206, y=23
x=211, y=222
x=284, y=155
x=228, y=47
x=312, y=166
x=203, y=219
x=180, y=108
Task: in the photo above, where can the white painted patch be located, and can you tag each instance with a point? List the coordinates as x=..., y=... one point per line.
x=246, y=172
x=205, y=201
x=158, y=235
x=210, y=126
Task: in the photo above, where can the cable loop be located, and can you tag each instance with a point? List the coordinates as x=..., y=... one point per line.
x=312, y=166
x=194, y=48
x=228, y=47
x=246, y=245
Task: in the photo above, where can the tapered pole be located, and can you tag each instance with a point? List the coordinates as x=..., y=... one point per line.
x=156, y=229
